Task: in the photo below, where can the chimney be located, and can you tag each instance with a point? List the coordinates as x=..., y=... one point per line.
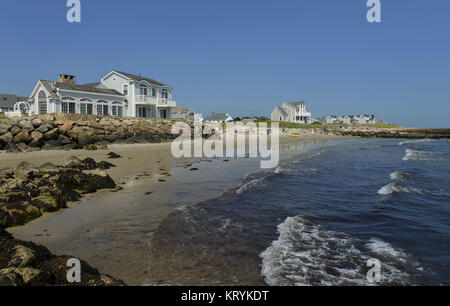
x=67, y=79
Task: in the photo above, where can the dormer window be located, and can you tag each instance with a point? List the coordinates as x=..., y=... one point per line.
x=143, y=91
x=125, y=89
x=153, y=92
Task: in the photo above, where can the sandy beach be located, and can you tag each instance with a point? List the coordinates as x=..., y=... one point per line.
x=112, y=230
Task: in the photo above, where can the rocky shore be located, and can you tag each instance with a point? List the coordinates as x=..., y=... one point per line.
x=396, y=133
x=27, y=192
x=75, y=131
x=27, y=264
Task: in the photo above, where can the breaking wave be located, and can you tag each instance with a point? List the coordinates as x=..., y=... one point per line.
x=413, y=141
x=307, y=254
x=395, y=187
x=411, y=154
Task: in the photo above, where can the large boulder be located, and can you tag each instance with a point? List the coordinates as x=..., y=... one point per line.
x=36, y=135
x=22, y=137
x=6, y=138
x=65, y=128
x=51, y=135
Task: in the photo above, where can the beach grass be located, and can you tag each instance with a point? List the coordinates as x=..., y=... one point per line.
x=3, y=116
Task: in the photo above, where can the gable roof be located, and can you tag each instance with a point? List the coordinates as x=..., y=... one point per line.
x=8, y=101
x=295, y=103
x=140, y=78
x=217, y=117
x=281, y=110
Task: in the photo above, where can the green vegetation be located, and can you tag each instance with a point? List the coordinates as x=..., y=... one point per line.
x=90, y=147
x=3, y=116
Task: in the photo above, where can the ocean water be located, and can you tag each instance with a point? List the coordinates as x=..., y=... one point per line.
x=317, y=219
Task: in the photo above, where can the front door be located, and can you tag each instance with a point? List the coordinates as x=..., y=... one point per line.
x=142, y=112
x=163, y=113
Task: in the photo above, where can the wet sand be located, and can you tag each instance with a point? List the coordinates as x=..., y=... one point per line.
x=113, y=230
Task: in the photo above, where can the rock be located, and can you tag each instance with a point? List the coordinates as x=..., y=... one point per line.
x=43, y=129
x=75, y=163
x=6, y=173
x=64, y=140
x=46, y=203
x=49, y=168
x=22, y=147
x=15, y=130
x=89, y=163
x=36, y=136
x=16, y=214
x=65, y=128
x=11, y=147
x=75, y=133
x=103, y=165
x=22, y=137
x=26, y=125
x=21, y=257
x=6, y=138
x=51, y=135
x=25, y=171
x=113, y=155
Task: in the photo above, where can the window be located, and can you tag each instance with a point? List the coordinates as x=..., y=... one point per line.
x=143, y=91
x=105, y=110
x=99, y=109
x=153, y=92
x=142, y=112
x=89, y=109
x=64, y=107
x=72, y=108
x=42, y=103
x=165, y=94
x=120, y=111
x=83, y=109
x=114, y=111
x=125, y=89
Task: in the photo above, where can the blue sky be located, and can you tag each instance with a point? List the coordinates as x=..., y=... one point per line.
x=245, y=56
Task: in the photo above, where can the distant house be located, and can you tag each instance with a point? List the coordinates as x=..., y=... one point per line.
x=218, y=118
x=350, y=119
x=292, y=112
x=7, y=102
x=183, y=113
x=247, y=120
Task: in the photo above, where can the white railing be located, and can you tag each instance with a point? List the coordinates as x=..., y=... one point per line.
x=146, y=99
x=167, y=103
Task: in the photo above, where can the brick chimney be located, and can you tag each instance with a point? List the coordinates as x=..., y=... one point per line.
x=67, y=79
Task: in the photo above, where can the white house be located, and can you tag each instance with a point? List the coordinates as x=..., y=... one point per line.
x=218, y=118
x=350, y=119
x=118, y=94
x=146, y=97
x=7, y=102
x=292, y=112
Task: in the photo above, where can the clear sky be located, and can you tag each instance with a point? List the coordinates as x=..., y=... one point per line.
x=245, y=57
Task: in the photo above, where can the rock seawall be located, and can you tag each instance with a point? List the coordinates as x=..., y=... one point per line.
x=74, y=131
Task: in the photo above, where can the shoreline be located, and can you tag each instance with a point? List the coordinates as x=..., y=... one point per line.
x=131, y=216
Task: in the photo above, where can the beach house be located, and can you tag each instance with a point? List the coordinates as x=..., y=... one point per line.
x=292, y=112
x=351, y=119
x=218, y=118
x=117, y=94
x=7, y=102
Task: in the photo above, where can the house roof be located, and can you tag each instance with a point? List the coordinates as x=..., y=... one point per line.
x=217, y=117
x=9, y=101
x=282, y=111
x=92, y=88
x=180, y=109
x=296, y=103
x=140, y=78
